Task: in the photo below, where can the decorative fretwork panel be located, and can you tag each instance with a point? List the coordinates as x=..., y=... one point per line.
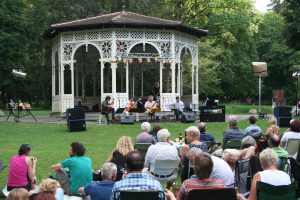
x=106, y=49
x=105, y=35
x=123, y=46
x=92, y=35
x=137, y=34
x=165, y=36
x=165, y=48
x=122, y=34
x=68, y=50
x=79, y=36
x=151, y=35
x=67, y=37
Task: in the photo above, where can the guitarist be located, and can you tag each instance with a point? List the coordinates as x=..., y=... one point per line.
x=107, y=107
x=150, y=105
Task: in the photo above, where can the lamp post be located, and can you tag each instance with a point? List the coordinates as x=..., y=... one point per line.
x=296, y=74
x=260, y=70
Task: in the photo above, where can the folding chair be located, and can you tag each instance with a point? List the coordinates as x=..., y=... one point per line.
x=208, y=144
x=242, y=173
x=282, y=162
x=292, y=146
x=295, y=173
x=212, y=194
x=270, y=192
x=236, y=144
x=163, y=165
x=142, y=148
x=135, y=195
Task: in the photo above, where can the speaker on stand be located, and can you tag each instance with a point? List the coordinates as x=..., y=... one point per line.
x=283, y=115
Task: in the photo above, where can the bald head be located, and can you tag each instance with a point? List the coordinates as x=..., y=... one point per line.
x=274, y=140
x=202, y=127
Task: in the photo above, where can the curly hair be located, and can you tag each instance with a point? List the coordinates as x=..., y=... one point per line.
x=124, y=145
x=49, y=185
x=18, y=194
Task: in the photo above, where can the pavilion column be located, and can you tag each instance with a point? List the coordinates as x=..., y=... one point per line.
x=173, y=78
x=53, y=73
x=180, y=79
x=127, y=78
x=72, y=80
x=161, y=66
x=101, y=74
x=76, y=80
x=114, y=75
x=197, y=78
x=193, y=77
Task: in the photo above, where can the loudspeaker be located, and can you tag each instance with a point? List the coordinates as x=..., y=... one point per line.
x=281, y=111
x=283, y=121
x=127, y=120
x=76, y=119
x=76, y=125
x=188, y=118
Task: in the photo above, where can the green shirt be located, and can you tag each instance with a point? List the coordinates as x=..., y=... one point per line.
x=280, y=152
x=80, y=168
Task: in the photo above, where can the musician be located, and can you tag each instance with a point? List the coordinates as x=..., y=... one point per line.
x=178, y=108
x=150, y=105
x=107, y=107
x=130, y=104
x=11, y=105
x=139, y=103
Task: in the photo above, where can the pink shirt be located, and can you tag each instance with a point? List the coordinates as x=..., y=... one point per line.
x=18, y=171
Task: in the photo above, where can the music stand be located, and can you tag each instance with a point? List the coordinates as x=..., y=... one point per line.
x=19, y=109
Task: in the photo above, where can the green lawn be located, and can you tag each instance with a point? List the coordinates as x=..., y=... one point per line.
x=50, y=142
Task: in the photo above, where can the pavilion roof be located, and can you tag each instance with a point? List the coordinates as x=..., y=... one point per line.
x=122, y=20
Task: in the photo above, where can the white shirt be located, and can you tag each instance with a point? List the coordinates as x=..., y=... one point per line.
x=178, y=105
x=289, y=135
x=275, y=177
x=149, y=104
x=160, y=151
x=221, y=170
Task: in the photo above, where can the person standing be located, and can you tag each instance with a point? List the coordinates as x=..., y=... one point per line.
x=80, y=169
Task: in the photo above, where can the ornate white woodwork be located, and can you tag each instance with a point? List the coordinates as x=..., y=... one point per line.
x=111, y=43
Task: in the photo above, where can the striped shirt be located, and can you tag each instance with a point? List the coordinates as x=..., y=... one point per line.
x=195, y=184
x=137, y=181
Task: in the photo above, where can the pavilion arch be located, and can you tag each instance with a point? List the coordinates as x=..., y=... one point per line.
x=144, y=43
x=86, y=44
x=87, y=74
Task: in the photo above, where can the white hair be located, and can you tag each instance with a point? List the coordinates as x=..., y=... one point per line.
x=267, y=158
x=248, y=140
x=163, y=135
x=108, y=169
x=194, y=130
x=145, y=127
x=232, y=120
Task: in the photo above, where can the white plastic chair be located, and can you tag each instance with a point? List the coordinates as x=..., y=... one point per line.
x=292, y=146
x=171, y=165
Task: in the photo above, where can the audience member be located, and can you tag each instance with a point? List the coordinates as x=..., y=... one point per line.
x=123, y=147
x=274, y=142
x=192, y=138
x=294, y=133
x=22, y=170
x=145, y=137
x=253, y=130
x=155, y=129
x=273, y=128
x=233, y=133
x=135, y=179
x=271, y=175
x=49, y=189
x=203, y=166
x=101, y=190
x=162, y=150
x=18, y=194
x=205, y=137
x=80, y=170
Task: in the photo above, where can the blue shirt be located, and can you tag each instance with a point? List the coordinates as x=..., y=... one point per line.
x=204, y=137
x=253, y=131
x=137, y=181
x=99, y=190
x=233, y=134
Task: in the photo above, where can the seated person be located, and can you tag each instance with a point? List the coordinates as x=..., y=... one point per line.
x=205, y=137
x=123, y=147
x=253, y=130
x=150, y=105
x=49, y=189
x=274, y=142
x=233, y=133
x=145, y=137
x=11, y=105
x=155, y=129
x=156, y=91
x=178, y=108
x=80, y=169
x=130, y=104
x=271, y=175
x=203, y=166
x=294, y=133
x=162, y=150
x=22, y=170
x=135, y=179
x=101, y=190
x=107, y=108
x=273, y=128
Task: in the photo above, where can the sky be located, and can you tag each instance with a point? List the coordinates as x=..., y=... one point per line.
x=261, y=5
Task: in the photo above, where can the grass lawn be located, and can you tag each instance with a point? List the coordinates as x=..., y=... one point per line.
x=50, y=142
